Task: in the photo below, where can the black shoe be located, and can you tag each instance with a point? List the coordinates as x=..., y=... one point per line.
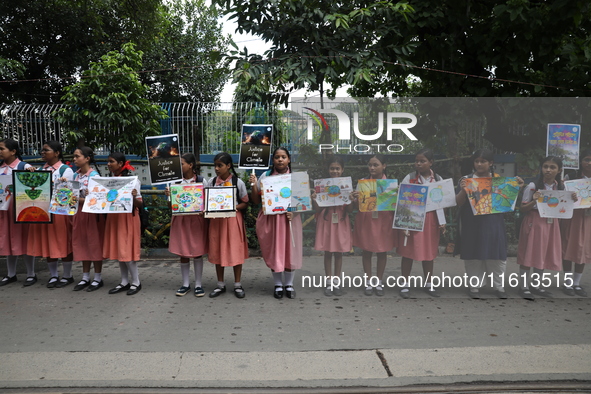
x=7, y=279
x=526, y=294
x=119, y=288
x=368, y=291
x=50, y=284
x=30, y=281
x=475, y=295
x=502, y=294
x=63, y=282
x=133, y=289
x=239, y=292
x=217, y=291
x=541, y=292
x=94, y=287
x=328, y=292
x=405, y=294
x=569, y=291
x=290, y=293
x=183, y=290
x=431, y=291
x=81, y=285
x=278, y=292
x=337, y=291
x=580, y=291
x=199, y=292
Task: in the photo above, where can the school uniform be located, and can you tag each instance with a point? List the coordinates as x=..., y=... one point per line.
x=539, y=241
x=373, y=231
x=88, y=229
x=576, y=236
x=281, y=246
x=421, y=245
x=122, y=240
x=189, y=233
x=227, y=242
x=13, y=236
x=52, y=240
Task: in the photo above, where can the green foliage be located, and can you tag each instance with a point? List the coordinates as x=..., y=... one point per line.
x=10, y=69
x=108, y=106
x=160, y=216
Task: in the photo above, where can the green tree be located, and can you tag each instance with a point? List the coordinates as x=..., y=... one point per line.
x=188, y=55
x=108, y=106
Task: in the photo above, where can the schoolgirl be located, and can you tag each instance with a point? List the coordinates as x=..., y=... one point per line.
x=373, y=231
x=13, y=237
x=227, y=236
x=576, y=236
x=281, y=243
x=88, y=229
x=189, y=234
x=123, y=232
x=539, y=238
x=54, y=240
x=483, y=237
x=333, y=231
x=421, y=245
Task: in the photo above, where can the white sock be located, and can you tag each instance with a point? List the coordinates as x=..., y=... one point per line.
x=124, y=273
x=198, y=267
x=577, y=278
x=539, y=273
x=237, y=284
x=85, y=276
x=67, y=269
x=97, y=277
x=278, y=279
x=289, y=275
x=11, y=265
x=52, y=268
x=221, y=284
x=135, y=275
x=524, y=276
x=30, y=263
x=185, y=270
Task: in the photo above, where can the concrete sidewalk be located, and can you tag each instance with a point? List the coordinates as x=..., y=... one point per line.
x=59, y=338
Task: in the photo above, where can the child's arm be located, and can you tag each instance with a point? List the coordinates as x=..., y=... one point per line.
x=255, y=195
x=529, y=200
x=461, y=197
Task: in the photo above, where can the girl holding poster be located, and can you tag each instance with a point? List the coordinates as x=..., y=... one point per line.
x=13, y=236
x=123, y=232
x=483, y=237
x=88, y=230
x=539, y=238
x=576, y=235
x=188, y=233
x=373, y=231
x=333, y=231
x=54, y=240
x=227, y=236
x=421, y=245
x=280, y=236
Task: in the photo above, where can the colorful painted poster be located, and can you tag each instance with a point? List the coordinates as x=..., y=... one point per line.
x=276, y=196
x=411, y=207
x=386, y=194
x=300, y=192
x=5, y=192
x=110, y=194
x=441, y=195
x=556, y=204
x=563, y=142
x=583, y=189
x=255, y=145
x=32, y=195
x=368, y=200
x=64, y=199
x=220, y=202
x=492, y=195
x=332, y=192
x=164, y=160
x=186, y=199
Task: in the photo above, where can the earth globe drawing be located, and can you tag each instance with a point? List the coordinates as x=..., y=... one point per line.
x=63, y=196
x=334, y=191
x=185, y=199
x=553, y=202
x=285, y=192
x=436, y=194
x=32, y=180
x=112, y=195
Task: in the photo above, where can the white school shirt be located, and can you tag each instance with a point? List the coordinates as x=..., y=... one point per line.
x=6, y=169
x=528, y=193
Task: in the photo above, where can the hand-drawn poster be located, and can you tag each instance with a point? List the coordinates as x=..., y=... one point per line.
x=332, y=192
x=300, y=192
x=64, y=199
x=563, y=142
x=441, y=195
x=386, y=194
x=583, y=189
x=276, y=196
x=220, y=202
x=411, y=207
x=186, y=199
x=110, y=195
x=164, y=160
x=5, y=191
x=367, y=189
x=492, y=195
x=556, y=204
x=255, y=145
x=32, y=194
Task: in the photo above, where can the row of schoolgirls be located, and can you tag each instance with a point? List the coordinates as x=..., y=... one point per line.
x=543, y=244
